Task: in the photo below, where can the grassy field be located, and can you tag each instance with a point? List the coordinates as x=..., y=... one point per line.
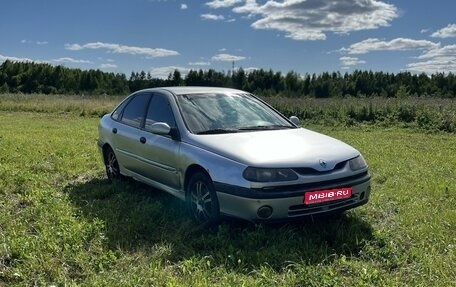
x=59, y=104
x=63, y=224
x=425, y=114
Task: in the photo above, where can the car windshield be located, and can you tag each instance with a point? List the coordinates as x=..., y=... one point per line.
x=228, y=113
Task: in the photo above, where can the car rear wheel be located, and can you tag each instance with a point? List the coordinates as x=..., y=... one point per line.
x=112, y=165
x=202, y=200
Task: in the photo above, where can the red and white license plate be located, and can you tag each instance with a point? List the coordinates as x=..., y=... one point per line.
x=327, y=195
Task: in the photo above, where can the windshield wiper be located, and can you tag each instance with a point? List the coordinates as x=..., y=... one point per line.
x=269, y=127
x=217, y=131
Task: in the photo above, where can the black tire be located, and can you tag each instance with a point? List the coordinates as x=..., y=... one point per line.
x=202, y=200
x=112, y=165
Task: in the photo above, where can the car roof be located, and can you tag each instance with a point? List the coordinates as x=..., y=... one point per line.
x=184, y=90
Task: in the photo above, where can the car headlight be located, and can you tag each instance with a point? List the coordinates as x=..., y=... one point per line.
x=357, y=163
x=269, y=174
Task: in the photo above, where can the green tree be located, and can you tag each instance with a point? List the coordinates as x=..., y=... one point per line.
x=4, y=88
x=175, y=78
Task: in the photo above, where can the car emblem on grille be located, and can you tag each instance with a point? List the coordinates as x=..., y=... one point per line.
x=323, y=163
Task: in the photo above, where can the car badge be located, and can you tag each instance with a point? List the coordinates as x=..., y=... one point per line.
x=323, y=163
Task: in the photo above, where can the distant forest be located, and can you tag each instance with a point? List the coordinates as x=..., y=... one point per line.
x=30, y=77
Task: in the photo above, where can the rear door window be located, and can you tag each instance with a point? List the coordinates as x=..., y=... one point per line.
x=135, y=110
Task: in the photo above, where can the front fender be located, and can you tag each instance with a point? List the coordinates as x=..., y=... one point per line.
x=219, y=168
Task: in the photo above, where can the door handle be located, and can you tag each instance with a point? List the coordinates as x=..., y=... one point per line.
x=114, y=130
x=142, y=140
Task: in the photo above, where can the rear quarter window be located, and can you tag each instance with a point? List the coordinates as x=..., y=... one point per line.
x=117, y=113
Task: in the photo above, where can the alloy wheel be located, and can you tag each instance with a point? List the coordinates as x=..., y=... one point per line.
x=112, y=165
x=202, y=200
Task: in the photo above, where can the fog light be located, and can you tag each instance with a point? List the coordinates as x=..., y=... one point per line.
x=264, y=212
x=361, y=196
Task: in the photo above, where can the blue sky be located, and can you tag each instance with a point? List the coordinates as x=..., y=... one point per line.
x=158, y=36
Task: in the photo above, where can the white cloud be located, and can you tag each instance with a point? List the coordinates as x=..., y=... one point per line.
x=108, y=66
x=227, y=58
x=250, y=69
x=423, y=31
x=434, y=66
x=184, y=6
x=447, y=32
x=434, y=58
x=223, y=3
x=73, y=47
x=123, y=49
x=398, y=44
x=311, y=20
x=440, y=52
x=250, y=7
x=163, y=72
x=71, y=60
x=23, y=41
x=440, y=59
x=17, y=59
x=55, y=61
x=199, y=63
x=350, y=61
x=212, y=17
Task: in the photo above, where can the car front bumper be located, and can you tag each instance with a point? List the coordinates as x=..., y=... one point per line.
x=288, y=203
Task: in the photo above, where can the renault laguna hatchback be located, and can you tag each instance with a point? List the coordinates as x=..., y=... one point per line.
x=227, y=152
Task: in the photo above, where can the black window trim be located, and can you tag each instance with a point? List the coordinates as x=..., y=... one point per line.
x=141, y=126
x=174, y=134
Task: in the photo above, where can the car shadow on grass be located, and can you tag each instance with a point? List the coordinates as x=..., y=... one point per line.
x=137, y=217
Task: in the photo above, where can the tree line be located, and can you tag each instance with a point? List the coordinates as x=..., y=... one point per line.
x=30, y=77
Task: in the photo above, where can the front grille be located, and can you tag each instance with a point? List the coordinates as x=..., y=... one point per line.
x=312, y=171
x=333, y=183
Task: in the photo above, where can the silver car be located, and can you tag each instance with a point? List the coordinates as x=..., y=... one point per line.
x=226, y=152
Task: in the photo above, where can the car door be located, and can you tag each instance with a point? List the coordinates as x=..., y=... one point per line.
x=160, y=152
x=127, y=133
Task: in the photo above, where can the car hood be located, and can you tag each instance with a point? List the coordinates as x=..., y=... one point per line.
x=278, y=148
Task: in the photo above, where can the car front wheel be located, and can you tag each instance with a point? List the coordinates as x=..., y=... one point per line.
x=202, y=200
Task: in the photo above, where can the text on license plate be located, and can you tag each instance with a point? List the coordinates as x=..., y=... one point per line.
x=327, y=195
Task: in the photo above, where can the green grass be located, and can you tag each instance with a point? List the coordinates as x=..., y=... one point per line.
x=426, y=114
x=63, y=224
x=62, y=104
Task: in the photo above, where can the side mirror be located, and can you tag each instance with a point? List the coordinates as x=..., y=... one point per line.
x=295, y=120
x=159, y=128
x=164, y=129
